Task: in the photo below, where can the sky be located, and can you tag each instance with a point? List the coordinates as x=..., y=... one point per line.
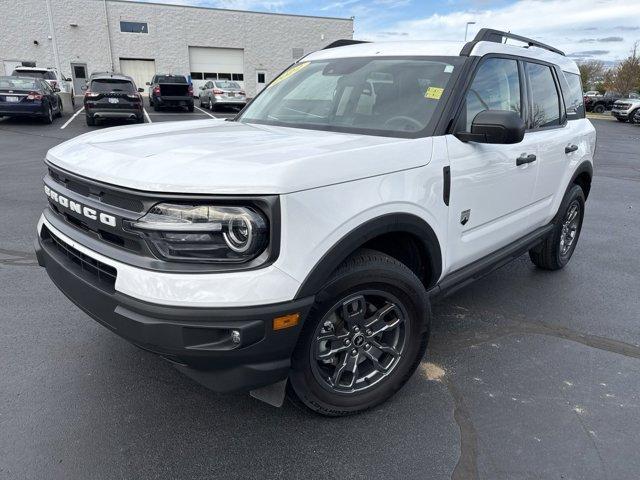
x=584, y=29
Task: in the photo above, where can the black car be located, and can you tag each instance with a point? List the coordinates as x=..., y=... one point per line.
x=166, y=90
x=29, y=97
x=112, y=96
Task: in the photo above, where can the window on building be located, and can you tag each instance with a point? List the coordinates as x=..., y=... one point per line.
x=224, y=76
x=134, y=27
x=297, y=53
x=196, y=76
x=238, y=77
x=210, y=76
x=261, y=77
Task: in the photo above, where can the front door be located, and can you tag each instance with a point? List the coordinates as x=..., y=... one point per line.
x=79, y=75
x=491, y=197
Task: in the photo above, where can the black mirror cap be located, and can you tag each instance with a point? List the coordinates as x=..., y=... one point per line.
x=495, y=126
x=141, y=90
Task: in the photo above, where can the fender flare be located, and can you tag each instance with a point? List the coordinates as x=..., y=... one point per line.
x=584, y=167
x=389, y=223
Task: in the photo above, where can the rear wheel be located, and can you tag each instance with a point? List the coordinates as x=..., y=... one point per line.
x=48, y=115
x=599, y=108
x=190, y=107
x=60, y=107
x=363, y=338
x=90, y=120
x=556, y=251
x=156, y=107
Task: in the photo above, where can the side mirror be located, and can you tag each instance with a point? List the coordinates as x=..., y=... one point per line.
x=148, y=83
x=495, y=126
x=140, y=89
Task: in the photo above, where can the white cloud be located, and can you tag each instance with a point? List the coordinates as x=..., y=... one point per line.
x=561, y=23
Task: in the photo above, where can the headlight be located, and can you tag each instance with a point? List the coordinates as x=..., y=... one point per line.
x=204, y=233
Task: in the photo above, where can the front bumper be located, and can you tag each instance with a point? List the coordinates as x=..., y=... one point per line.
x=620, y=113
x=197, y=340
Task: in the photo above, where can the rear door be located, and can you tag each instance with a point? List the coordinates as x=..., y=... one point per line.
x=491, y=197
x=549, y=130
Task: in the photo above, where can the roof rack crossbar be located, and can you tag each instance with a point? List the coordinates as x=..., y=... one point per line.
x=498, y=36
x=344, y=42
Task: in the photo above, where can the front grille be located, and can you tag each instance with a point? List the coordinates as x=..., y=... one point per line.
x=104, y=194
x=103, y=273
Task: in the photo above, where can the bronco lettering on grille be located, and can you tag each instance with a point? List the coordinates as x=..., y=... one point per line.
x=88, y=212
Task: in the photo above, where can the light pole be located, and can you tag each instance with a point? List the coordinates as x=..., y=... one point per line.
x=466, y=29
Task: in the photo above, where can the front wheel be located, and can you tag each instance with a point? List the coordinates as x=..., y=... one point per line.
x=363, y=339
x=556, y=251
x=599, y=109
x=623, y=120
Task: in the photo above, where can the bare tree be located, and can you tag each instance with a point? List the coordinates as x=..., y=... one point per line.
x=626, y=75
x=591, y=72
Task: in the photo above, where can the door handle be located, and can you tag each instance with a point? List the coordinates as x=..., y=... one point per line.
x=522, y=159
x=570, y=148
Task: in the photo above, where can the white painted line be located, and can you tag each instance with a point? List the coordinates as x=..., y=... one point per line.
x=71, y=119
x=147, y=115
x=205, y=112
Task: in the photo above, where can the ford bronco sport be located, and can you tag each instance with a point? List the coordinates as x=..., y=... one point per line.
x=296, y=248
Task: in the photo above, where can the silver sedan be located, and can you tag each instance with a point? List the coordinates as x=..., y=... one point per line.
x=222, y=92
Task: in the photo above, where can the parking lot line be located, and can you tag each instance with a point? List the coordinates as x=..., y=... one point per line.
x=147, y=115
x=71, y=119
x=205, y=112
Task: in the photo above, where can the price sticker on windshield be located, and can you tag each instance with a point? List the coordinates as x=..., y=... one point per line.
x=434, y=93
x=289, y=73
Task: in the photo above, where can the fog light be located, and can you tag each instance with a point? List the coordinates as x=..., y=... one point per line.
x=286, y=321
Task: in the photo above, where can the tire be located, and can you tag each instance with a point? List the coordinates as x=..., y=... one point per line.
x=140, y=119
x=599, y=108
x=90, y=120
x=48, y=118
x=156, y=107
x=190, y=107
x=60, y=107
x=634, y=117
x=73, y=100
x=212, y=106
x=377, y=281
x=621, y=120
x=553, y=253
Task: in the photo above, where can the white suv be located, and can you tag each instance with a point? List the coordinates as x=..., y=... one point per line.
x=297, y=247
x=49, y=75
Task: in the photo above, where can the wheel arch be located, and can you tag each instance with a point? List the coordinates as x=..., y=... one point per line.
x=406, y=237
x=582, y=177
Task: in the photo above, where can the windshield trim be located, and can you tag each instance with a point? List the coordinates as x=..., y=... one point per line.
x=429, y=129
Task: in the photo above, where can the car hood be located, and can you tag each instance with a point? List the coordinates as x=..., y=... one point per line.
x=215, y=156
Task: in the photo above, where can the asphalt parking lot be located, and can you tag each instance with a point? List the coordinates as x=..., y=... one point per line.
x=529, y=375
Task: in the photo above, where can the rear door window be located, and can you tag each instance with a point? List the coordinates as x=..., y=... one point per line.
x=545, y=103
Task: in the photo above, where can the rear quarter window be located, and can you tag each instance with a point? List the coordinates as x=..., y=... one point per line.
x=573, y=99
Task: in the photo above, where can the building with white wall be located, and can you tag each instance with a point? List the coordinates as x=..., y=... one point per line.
x=140, y=39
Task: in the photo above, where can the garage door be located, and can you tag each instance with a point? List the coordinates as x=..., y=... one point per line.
x=142, y=71
x=216, y=64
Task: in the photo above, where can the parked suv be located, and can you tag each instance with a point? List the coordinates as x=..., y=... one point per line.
x=298, y=247
x=626, y=109
x=49, y=75
x=112, y=95
x=166, y=90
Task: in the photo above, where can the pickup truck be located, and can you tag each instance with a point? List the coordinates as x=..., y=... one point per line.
x=166, y=90
x=601, y=103
x=49, y=75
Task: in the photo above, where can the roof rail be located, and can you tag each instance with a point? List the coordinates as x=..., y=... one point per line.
x=344, y=42
x=498, y=36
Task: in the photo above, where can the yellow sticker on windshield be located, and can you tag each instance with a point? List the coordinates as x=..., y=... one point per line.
x=288, y=73
x=433, y=93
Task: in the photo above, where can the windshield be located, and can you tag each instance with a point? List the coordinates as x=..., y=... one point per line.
x=112, y=85
x=227, y=85
x=388, y=96
x=18, y=83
